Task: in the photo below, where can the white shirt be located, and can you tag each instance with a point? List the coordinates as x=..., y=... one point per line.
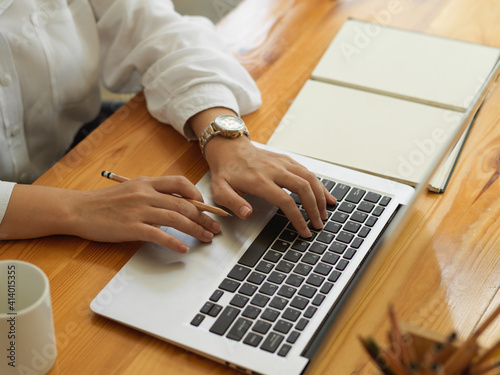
x=53, y=53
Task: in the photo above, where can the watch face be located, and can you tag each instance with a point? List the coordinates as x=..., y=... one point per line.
x=230, y=123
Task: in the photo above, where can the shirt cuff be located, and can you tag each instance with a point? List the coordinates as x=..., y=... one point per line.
x=199, y=98
x=5, y=193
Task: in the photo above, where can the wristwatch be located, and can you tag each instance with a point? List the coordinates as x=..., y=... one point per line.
x=227, y=126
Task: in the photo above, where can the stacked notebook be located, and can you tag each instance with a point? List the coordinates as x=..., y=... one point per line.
x=381, y=100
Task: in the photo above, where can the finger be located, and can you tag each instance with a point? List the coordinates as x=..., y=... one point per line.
x=179, y=185
x=280, y=198
x=323, y=196
x=158, y=236
x=227, y=196
x=165, y=203
x=307, y=197
x=180, y=222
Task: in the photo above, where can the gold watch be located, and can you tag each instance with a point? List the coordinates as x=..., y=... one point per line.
x=227, y=126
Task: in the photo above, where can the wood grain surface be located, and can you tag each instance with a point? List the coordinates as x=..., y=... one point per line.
x=443, y=273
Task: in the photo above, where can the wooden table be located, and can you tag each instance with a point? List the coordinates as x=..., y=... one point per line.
x=443, y=273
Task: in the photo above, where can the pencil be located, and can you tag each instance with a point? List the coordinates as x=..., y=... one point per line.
x=199, y=205
x=488, y=354
x=400, y=341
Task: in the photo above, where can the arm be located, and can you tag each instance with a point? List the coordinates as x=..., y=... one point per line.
x=130, y=211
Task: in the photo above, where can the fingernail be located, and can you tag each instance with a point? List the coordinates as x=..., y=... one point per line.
x=244, y=212
x=208, y=235
x=183, y=248
x=307, y=233
x=216, y=227
x=318, y=224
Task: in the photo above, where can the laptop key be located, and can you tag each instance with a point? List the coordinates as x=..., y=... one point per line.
x=328, y=184
x=261, y=327
x=239, y=301
x=332, y=227
x=284, y=266
x=340, y=191
x=278, y=303
x=238, y=273
x=294, y=280
x=272, y=256
x=283, y=326
x=229, y=285
x=270, y=315
x=355, y=195
x=334, y=276
x=378, y=211
x=288, y=235
x=216, y=295
x=347, y=207
x=272, y=342
x=259, y=300
x=338, y=247
x=303, y=269
x=385, y=201
x=253, y=339
x=359, y=216
x=364, y=232
x=215, y=310
x=299, y=302
x=239, y=329
x=330, y=258
x=366, y=206
x=251, y=312
x=349, y=253
x=197, y=320
x=247, y=289
x=287, y=291
x=292, y=337
x=345, y=237
x=223, y=322
x=301, y=324
x=340, y=217
x=326, y=288
x=268, y=288
x=311, y=310
x=263, y=241
x=264, y=267
x=256, y=278
x=291, y=314
x=281, y=246
x=372, y=197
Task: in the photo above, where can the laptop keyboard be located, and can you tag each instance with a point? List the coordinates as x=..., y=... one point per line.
x=280, y=281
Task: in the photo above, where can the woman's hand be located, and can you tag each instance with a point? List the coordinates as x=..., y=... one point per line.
x=239, y=168
x=129, y=211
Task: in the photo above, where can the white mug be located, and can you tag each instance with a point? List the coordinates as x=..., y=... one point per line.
x=27, y=337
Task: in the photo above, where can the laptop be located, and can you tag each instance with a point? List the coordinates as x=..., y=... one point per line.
x=259, y=298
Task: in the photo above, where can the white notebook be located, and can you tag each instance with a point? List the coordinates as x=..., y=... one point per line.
x=382, y=99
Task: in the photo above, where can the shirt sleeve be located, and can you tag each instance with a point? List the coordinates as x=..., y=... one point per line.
x=180, y=61
x=5, y=193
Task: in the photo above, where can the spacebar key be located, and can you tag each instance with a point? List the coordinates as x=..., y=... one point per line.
x=224, y=320
x=263, y=241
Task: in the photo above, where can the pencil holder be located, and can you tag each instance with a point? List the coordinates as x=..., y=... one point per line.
x=414, y=351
